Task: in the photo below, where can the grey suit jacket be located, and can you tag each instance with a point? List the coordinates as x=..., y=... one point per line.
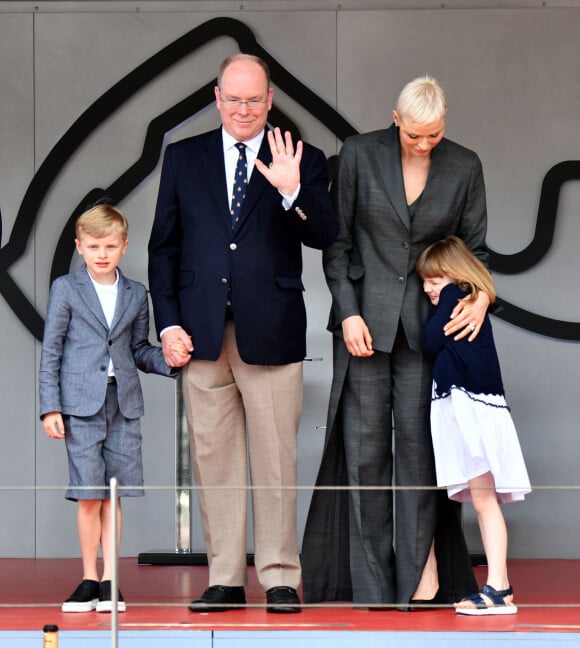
x=78, y=343
x=370, y=269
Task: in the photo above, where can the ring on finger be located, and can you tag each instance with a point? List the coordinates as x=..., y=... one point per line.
x=472, y=326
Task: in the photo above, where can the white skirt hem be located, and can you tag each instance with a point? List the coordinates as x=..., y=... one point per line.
x=474, y=434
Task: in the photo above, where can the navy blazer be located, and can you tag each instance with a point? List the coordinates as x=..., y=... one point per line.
x=197, y=263
x=78, y=343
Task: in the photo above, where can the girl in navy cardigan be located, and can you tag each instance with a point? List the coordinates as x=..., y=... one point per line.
x=477, y=452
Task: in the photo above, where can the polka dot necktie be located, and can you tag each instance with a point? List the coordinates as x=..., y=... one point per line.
x=240, y=184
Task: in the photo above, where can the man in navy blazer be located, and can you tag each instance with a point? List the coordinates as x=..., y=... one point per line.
x=226, y=285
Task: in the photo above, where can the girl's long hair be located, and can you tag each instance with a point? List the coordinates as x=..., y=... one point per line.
x=450, y=257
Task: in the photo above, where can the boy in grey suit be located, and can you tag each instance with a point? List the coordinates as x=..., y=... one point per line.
x=95, y=338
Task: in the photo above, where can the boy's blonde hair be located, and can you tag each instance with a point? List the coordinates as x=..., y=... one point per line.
x=450, y=257
x=100, y=221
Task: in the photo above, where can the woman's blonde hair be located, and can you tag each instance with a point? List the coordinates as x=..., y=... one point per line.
x=450, y=257
x=422, y=100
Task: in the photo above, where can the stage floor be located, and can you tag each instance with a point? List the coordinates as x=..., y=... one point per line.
x=547, y=593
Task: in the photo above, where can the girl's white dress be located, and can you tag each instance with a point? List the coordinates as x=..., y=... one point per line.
x=471, y=426
x=473, y=434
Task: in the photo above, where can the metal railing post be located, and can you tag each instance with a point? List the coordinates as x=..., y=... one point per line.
x=115, y=566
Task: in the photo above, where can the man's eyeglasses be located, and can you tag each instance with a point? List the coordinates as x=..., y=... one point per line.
x=253, y=104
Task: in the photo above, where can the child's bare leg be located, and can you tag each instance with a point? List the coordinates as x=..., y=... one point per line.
x=106, y=529
x=493, y=533
x=89, y=530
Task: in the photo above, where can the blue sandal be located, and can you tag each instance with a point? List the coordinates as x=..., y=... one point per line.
x=489, y=601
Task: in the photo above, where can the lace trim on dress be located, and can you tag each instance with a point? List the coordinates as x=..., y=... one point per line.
x=435, y=396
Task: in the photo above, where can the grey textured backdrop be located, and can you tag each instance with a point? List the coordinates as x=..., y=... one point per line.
x=510, y=72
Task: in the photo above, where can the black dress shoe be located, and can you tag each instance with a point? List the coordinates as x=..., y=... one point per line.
x=283, y=600
x=219, y=598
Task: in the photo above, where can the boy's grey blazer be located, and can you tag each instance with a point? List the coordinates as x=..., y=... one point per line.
x=78, y=343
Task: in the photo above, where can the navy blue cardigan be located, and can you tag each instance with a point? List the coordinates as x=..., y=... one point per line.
x=471, y=365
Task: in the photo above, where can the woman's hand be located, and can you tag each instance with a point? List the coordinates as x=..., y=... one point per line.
x=467, y=318
x=357, y=336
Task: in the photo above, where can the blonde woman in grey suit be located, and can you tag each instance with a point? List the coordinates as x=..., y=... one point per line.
x=395, y=192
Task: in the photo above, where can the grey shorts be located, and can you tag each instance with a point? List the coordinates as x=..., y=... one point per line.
x=100, y=447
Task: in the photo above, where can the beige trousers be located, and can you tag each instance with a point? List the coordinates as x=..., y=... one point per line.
x=238, y=412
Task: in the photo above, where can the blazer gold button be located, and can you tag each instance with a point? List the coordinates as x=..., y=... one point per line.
x=300, y=213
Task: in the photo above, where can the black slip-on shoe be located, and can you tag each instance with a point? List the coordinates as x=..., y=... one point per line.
x=83, y=599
